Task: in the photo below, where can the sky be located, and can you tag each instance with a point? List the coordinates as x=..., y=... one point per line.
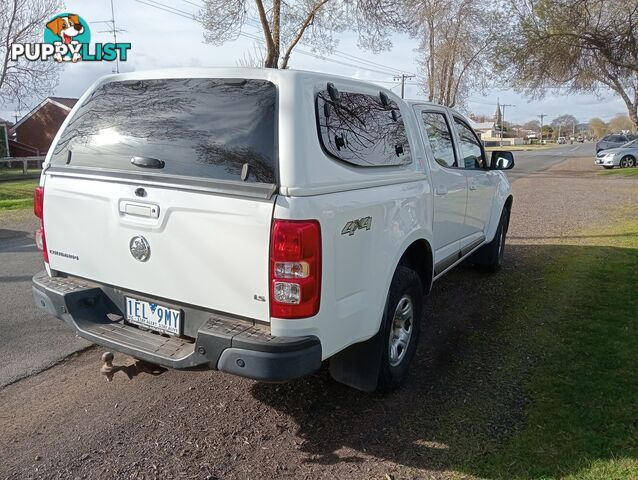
x=160, y=39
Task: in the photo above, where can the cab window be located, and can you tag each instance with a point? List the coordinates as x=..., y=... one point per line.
x=440, y=138
x=472, y=155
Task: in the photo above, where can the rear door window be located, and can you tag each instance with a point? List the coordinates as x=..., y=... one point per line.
x=361, y=130
x=213, y=129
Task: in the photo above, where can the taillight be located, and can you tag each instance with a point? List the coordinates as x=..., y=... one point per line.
x=295, y=268
x=38, y=209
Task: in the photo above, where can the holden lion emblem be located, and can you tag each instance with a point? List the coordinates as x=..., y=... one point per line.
x=140, y=249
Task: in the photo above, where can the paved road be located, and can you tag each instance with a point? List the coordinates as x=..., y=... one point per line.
x=31, y=340
x=530, y=163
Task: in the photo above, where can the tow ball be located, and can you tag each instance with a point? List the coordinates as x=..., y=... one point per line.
x=107, y=368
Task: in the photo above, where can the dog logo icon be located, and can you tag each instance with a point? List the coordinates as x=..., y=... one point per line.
x=70, y=30
x=67, y=38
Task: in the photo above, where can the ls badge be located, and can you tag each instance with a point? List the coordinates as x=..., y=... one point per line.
x=140, y=249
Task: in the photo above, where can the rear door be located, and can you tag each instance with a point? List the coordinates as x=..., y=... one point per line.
x=166, y=188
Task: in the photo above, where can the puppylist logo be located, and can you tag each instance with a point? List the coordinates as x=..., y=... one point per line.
x=67, y=38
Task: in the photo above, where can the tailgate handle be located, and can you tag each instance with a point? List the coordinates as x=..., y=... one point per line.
x=148, y=210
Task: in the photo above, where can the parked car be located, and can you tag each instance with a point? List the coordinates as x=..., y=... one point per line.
x=562, y=140
x=613, y=141
x=580, y=139
x=262, y=221
x=623, y=156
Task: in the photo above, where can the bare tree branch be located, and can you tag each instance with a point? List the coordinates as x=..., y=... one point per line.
x=23, y=21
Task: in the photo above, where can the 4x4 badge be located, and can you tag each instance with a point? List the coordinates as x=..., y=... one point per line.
x=140, y=249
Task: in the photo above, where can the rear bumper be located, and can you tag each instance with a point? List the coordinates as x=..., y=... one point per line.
x=222, y=342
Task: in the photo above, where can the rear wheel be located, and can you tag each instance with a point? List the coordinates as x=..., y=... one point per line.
x=627, y=161
x=400, y=328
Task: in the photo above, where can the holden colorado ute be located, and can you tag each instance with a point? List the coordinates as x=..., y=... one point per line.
x=261, y=222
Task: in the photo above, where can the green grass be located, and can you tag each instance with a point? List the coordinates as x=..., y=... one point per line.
x=17, y=172
x=580, y=325
x=18, y=194
x=623, y=172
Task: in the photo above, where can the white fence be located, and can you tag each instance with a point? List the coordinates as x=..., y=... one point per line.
x=11, y=167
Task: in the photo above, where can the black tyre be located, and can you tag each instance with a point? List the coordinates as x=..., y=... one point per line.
x=490, y=256
x=627, y=161
x=400, y=328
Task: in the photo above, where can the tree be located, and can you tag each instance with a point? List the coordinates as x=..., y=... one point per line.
x=621, y=123
x=564, y=124
x=598, y=127
x=456, y=37
x=533, y=125
x=285, y=25
x=23, y=21
x=583, y=45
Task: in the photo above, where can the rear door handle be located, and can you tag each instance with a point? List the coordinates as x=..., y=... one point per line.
x=440, y=190
x=148, y=210
x=472, y=186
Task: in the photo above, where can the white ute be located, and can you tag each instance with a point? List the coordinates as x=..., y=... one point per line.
x=261, y=221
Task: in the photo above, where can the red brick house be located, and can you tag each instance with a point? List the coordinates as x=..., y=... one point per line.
x=33, y=133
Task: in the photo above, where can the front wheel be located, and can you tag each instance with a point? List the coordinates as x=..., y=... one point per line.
x=627, y=161
x=400, y=328
x=490, y=256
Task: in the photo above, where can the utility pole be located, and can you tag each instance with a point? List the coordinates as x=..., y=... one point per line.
x=541, y=116
x=503, y=118
x=402, y=78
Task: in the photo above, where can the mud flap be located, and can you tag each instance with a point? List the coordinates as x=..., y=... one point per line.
x=358, y=365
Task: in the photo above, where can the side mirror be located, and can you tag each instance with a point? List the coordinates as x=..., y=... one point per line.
x=502, y=160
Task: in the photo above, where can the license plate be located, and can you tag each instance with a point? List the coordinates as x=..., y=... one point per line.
x=153, y=316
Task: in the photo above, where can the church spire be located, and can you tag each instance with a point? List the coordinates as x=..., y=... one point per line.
x=498, y=118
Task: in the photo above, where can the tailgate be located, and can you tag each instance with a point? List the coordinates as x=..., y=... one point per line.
x=165, y=186
x=207, y=250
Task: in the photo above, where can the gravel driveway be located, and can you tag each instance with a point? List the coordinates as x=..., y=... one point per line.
x=67, y=422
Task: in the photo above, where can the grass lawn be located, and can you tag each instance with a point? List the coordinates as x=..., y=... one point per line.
x=580, y=325
x=623, y=172
x=18, y=194
x=17, y=172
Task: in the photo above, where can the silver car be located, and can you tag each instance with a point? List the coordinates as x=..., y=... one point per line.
x=623, y=156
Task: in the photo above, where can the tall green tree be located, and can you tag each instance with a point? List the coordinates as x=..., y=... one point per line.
x=581, y=45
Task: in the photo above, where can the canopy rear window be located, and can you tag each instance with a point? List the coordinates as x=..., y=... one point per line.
x=217, y=129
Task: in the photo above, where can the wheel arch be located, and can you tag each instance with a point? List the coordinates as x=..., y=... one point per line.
x=419, y=257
